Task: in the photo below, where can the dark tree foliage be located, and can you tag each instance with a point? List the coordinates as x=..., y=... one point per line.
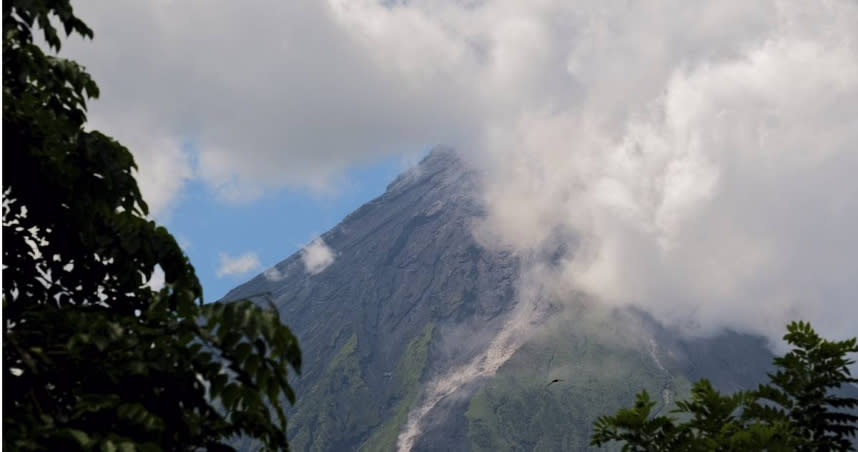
x=798, y=410
x=93, y=358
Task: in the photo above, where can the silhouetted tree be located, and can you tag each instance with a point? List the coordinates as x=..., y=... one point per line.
x=800, y=408
x=93, y=357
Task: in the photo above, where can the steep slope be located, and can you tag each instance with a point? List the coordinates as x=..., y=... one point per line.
x=406, y=271
x=411, y=299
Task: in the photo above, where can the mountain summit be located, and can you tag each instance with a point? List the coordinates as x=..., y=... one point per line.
x=416, y=337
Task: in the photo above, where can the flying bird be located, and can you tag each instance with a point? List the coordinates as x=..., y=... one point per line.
x=556, y=380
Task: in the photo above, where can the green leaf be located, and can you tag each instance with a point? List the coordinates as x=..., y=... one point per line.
x=82, y=438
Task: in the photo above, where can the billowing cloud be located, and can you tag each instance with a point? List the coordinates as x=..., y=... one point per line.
x=238, y=265
x=316, y=256
x=289, y=97
x=700, y=153
x=717, y=194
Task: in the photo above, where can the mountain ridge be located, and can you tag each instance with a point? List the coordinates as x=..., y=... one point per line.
x=411, y=298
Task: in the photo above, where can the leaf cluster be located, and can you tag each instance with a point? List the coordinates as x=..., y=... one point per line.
x=799, y=409
x=93, y=357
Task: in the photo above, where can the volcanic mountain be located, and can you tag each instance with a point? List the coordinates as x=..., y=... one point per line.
x=418, y=337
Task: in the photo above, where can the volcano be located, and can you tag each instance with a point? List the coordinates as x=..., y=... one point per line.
x=418, y=337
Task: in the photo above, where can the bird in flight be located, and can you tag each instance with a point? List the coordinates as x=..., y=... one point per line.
x=556, y=380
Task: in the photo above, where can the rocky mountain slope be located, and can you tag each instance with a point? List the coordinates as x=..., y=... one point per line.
x=417, y=338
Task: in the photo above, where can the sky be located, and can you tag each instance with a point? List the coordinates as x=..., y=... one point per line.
x=230, y=243
x=701, y=154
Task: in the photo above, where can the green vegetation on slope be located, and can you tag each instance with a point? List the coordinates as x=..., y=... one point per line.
x=407, y=376
x=798, y=410
x=599, y=369
x=340, y=405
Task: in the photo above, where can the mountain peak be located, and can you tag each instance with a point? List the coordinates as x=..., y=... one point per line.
x=440, y=160
x=436, y=193
x=411, y=301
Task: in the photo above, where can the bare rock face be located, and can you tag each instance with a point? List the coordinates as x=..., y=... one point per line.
x=410, y=295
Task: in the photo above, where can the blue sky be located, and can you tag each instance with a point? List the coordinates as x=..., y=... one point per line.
x=272, y=227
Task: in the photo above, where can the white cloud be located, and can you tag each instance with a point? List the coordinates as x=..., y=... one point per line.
x=164, y=167
x=719, y=193
x=156, y=282
x=316, y=256
x=273, y=274
x=238, y=265
x=701, y=151
x=290, y=98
